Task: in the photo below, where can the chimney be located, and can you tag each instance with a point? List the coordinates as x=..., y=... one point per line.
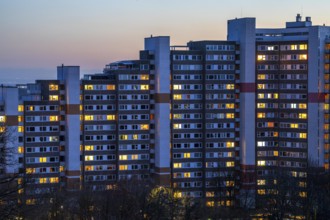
x=298, y=18
x=309, y=19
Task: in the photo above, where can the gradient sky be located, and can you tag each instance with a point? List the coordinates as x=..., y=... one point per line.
x=38, y=35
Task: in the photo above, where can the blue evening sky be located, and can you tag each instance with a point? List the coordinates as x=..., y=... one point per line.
x=38, y=35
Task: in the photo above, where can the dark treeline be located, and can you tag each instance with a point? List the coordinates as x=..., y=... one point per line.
x=136, y=199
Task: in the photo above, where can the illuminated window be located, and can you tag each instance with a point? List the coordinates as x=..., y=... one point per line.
x=186, y=155
x=177, y=97
x=122, y=167
x=89, y=168
x=135, y=156
x=20, y=149
x=89, y=117
x=30, y=170
x=186, y=175
x=261, y=76
x=261, y=57
x=261, y=86
x=261, y=96
x=122, y=157
x=19, y=118
x=293, y=47
x=144, y=77
x=230, y=183
x=261, y=115
x=177, y=87
x=303, y=194
x=275, y=95
x=20, y=108
x=177, y=165
x=111, y=87
x=61, y=168
x=53, y=98
x=2, y=129
x=302, y=57
x=53, y=138
x=275, y=153
x=53, y=87
x=210, y=203
x=303, y=135
x=230, y=164
x=42, y=180
x=20, y=129
x=230, y=106
x=177, y=194
x=2, y=118
x=144, y=87
x=270, y=124
x=53, y=118
x=261, y=163
x=30, y=201
x=89, y=158
x=89, y=147
x=177, y=126
x=294, y=125
x=302, y=115
x=302, y=106
x=230, y=86
x=111, y=117
x=135, y=136
x=230, y=144
x=89, y=87
x=53, y=179
x=261, y=105
x=123, y=137
x=303, y=47
x=43, y=159
x=144, y=127
x=230, y=115
x=261, y=182
x=261, y=191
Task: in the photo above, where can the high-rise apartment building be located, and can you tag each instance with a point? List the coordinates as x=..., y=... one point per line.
x=212, y=119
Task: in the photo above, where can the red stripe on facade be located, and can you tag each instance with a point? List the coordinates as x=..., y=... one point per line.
x=316, y=97
x=247, y=87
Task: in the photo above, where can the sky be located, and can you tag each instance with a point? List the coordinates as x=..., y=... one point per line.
x=38, y=35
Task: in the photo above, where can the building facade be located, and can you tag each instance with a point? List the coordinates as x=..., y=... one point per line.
x=212, y=119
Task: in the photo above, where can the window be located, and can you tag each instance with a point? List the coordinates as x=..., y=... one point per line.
x=144, y=127
x=2, y=118
x=111, y=117
x=20, y=108
x=177, y=97
x=302, y=115
x=43, y=159
x=53, y=87
x=111, y=87
x=122, y=167
x=89, y=117
x=53, y=98
x=89, y=158
x=88, y=87
x=53, y=179
x=53, y=118
x=20, y=150
x=144, y=87
x=20, y=129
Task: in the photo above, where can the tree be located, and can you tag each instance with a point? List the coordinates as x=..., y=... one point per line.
x=9, y=182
